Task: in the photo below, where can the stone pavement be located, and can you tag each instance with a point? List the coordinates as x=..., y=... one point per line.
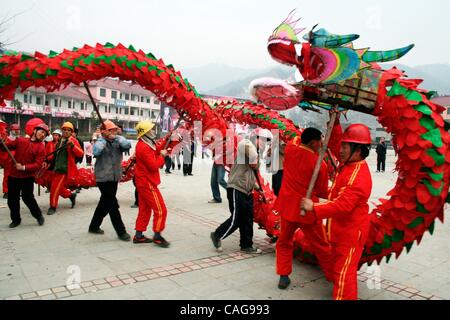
x=43, y=262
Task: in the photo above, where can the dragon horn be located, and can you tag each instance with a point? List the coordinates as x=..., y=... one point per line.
x=386, y=56
x=289, y=17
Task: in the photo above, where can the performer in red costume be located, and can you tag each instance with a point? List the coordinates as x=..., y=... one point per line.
x=300, y=160
x=29, y=155
x=347, y=210
x=65, y=167
x=149, y=159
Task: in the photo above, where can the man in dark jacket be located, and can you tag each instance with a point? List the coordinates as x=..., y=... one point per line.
x=381, y=155
x=108, y=172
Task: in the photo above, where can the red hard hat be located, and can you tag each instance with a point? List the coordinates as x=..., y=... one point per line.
x=109, y=125
x=357, y=133
x=44, y=127
x=14, y=126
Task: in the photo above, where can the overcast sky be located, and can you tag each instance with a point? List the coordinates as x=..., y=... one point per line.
x=199, y=32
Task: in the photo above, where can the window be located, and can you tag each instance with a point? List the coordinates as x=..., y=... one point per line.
x=102, y=92
x=148, y=100
x=127, y=96
x=25, y=98
x=157, y=101
x=38, y=101
x=142, y=113
x=142, y=99
x=47, y=103
x=121, y=96
x=448, y=111
x=55, y=102
x=69, y=104
x=31, y=98
x=117, y=110
x=114, y=94
x=106, y=109
x=126, y=111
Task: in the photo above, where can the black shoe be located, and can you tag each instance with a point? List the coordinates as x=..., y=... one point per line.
x=284, y=282
x=216, y=242
x=41, y=220
x=73, y=199
x=190, y=174
x=51, y=211
x=179, y=167
x=125, y=237
x=14, y=224
x=142, y=239
x=214, y=201
x=98, y=231
x=160, y=241
x=5, y=195
x=251, y=250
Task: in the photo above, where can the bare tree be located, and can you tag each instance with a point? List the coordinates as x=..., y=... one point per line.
x=5, y=24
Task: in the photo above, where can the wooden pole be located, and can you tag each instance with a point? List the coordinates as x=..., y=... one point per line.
x=8, y=151
x=56, y=151
x=322, y=152
x=93, y=102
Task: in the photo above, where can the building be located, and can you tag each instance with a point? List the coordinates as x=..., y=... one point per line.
x=119, y=101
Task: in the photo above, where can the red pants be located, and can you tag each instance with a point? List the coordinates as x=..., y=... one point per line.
x=346, y=264
x=150, y=199
x=315, y=234
x=58, y=189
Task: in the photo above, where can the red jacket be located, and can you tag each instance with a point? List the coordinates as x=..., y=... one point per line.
x=5, y=159
x=347, y=208
x=29, y=153
x=148, y=163
x=299, y=164
x=73, y=152
x=49, y=148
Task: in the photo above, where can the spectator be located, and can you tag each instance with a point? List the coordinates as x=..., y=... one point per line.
x=381, y=155
x=88, y=146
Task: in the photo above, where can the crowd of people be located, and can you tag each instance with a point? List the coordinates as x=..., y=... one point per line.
x=336, y=228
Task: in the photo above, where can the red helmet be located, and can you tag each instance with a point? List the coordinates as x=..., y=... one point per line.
x=357, y=133
x=44, y=127
x=14, y=126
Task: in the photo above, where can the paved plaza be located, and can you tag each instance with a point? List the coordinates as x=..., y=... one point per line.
x=44, y=262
